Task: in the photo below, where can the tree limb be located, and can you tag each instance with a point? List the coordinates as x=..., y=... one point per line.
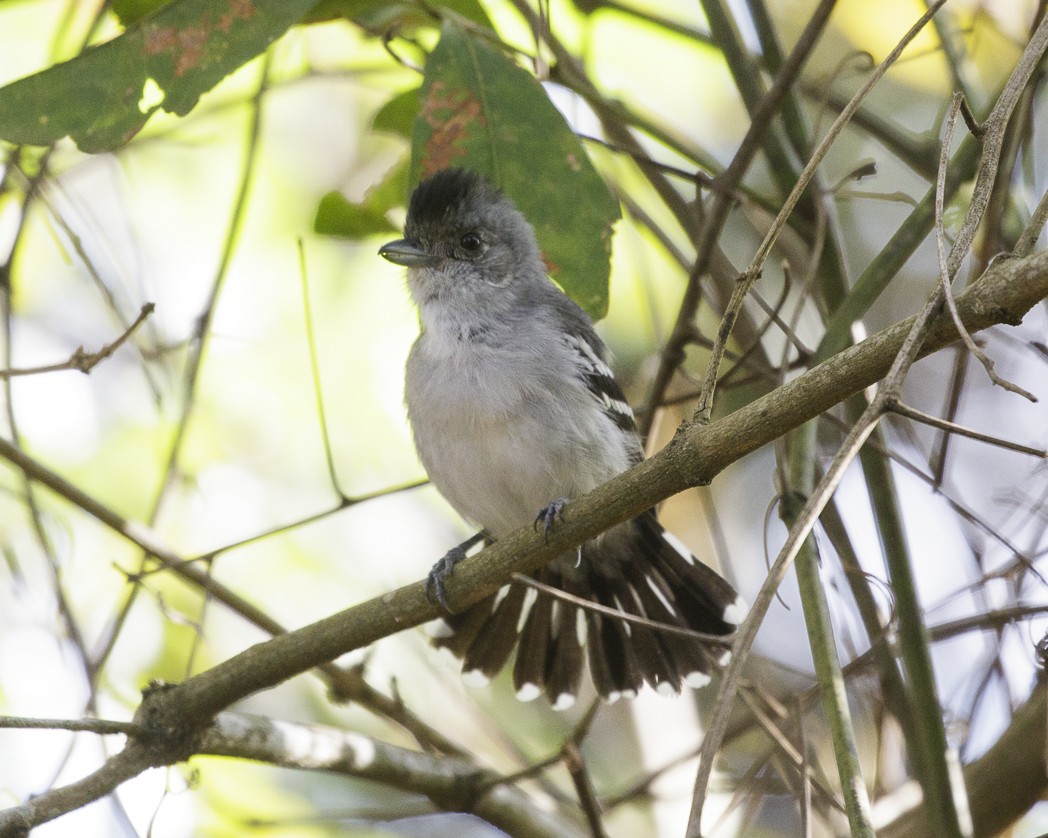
x=694, y=457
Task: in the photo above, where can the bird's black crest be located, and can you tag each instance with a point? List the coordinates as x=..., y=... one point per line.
x=440, y=195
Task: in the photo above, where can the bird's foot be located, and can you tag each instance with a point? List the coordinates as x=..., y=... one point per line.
x=441, y=571
x=548, y=516
x=446, y=566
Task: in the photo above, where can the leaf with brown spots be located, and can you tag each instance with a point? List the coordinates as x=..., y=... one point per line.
x=104, y=96
x=479, y=110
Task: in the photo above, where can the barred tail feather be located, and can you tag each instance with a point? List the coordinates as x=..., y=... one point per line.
x=613, y=664
x=497, y=635
x=529, y=672
x=633, y=568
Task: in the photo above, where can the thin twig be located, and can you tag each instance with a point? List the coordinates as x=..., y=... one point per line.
x=81, y=360
x=103, y=727
x=614, y=613
x=802, y=747
x=721, y=205
x=1034, y=226
x=575, y=763
x=953, y=428
x=314, y=369
x=704, y=409
x=945, y=277
x=905, y=357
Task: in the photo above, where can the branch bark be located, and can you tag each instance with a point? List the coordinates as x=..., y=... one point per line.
x=694, y=457
x=1017, y=758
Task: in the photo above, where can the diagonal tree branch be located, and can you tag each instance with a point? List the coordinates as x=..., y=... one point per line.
x=694, y=457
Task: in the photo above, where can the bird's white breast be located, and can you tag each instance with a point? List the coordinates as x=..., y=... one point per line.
x=501, y=439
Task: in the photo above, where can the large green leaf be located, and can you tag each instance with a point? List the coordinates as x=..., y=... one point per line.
x=479, y=110
x=397, y=116
x=337, y=216
x=104, y=96
x=382, y=16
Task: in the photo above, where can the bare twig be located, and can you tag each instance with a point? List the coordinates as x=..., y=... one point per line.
x=1034, y=226
x=721, y=205
x=103, y=727
x=696, y=455
x=911, y=346
x=953, y=428
x=614, y=613
x=945, y=278
x=81, y=360
x=314, y=368
x=704, y=409
x=451, y=782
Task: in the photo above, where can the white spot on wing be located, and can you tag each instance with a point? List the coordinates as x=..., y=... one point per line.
x=438, y=629
x=528, y=692
x=564, y=701
x=735, y=613
x=529, y=600
x=475, y=678
x=503, y=592
x=594, y=362
x=678, y=545
x=618, y=406
x=696, y=680
x=666, y=689
x=580, y=626
x=658, y=592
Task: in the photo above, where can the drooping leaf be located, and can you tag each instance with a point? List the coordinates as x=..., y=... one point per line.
x=129, y=12
x=379, y=16
x=337, y=216
x=481, y=111
x=397, y=116
x=168, y=59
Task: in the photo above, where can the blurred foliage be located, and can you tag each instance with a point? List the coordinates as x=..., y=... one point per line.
x=104, y=96
x=206, y=425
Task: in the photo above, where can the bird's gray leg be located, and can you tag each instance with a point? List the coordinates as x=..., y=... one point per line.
x=548, y=515
x=445, y=567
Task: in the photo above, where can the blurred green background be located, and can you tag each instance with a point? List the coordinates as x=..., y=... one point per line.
x=211, y=216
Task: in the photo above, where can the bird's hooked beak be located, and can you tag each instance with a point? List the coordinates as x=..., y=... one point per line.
x=407, y=253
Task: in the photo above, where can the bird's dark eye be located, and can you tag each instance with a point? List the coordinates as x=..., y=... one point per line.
x=470, y=242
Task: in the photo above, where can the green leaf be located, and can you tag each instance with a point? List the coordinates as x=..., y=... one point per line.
x=104, y=96
x=397, y=116
x=381, y=16
x=481, y=111
x=129, y=12
x=338, y=217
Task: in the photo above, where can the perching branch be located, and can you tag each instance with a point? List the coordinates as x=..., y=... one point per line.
x=694, y=457
x=912, y=345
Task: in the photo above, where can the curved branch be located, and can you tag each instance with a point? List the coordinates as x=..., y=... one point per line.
x=694, y=457
x=452, y=783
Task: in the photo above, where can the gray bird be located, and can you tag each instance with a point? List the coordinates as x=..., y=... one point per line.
x=514, y=410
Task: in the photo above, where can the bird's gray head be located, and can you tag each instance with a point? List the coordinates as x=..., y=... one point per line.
x=464, y=241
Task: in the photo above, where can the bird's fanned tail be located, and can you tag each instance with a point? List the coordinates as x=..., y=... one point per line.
x=554, y=639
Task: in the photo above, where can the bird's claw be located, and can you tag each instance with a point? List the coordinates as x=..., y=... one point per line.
x=441, y=571
x=548, y=516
